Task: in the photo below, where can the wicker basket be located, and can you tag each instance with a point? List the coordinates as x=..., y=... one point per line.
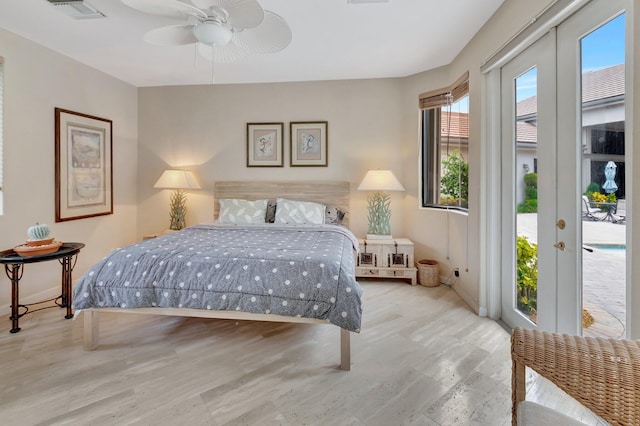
x=428, y=273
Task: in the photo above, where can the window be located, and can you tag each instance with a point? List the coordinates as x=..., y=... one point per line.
x=445, y=146
x=1, y=132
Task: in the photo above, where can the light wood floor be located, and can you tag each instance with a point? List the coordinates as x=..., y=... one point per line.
x=423, y=358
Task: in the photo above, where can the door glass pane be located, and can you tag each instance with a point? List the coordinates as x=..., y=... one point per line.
x=604, y=195
x=526, y=196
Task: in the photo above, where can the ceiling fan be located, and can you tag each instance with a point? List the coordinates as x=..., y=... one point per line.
x=224, y=30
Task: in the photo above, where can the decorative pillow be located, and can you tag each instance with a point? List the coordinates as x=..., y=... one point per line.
x=299, y=212
x=242, y=211
x=271, y=212
x=333, y=216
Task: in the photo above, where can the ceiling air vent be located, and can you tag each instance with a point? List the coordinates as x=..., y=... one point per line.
x=76, y=9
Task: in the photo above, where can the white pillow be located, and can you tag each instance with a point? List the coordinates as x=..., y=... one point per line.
x=299, y=212
x=242, y=211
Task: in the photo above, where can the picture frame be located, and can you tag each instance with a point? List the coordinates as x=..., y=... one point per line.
x=84, y=165
x=309, y=143
x=265, y=145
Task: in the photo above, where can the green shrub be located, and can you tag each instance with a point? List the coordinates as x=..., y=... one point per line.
x=531, y=193
x=531, y=180
x=527, y=275
x=454, y=181
x=528, y=206
x=591, y=188
x=530, y=203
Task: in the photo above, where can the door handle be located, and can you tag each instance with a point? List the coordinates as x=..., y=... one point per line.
x=559, y=245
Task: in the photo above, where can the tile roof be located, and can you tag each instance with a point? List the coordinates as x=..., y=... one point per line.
x=526, y=132
x=458, y=125
x=527, y=106
x=603, y=83
x=596, y=85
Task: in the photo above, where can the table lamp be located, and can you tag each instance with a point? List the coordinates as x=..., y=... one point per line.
x=178, y=180
x=378, y=182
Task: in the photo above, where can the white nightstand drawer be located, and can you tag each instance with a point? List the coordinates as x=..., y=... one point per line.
x=367, y=272
x=398, y=273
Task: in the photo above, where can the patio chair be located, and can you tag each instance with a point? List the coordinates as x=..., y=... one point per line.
x=588, y=212
x=602, y=374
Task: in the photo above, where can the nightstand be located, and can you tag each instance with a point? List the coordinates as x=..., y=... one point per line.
x=391, y=258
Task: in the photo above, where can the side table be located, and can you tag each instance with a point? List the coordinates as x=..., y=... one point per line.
x=392, y=258
x=14, y=268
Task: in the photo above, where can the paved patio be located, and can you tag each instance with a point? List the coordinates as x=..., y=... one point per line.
x=603, y=290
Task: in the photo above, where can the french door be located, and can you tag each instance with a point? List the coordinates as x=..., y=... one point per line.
x=529, y=148
x=542, y=144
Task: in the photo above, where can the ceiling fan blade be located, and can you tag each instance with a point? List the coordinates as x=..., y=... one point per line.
x=173, y=35
x=227, y=53
x=271, y=36
x=242, y=13
x=168, y=8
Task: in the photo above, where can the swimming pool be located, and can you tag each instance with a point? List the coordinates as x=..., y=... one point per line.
x=617, y=249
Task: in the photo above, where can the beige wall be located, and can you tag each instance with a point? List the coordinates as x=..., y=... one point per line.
x=452, y=238
x=36, y=81
x=203, y=128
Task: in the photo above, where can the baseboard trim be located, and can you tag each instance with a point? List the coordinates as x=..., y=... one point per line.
x=468, y=300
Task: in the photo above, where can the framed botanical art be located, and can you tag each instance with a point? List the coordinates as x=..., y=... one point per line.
x=309, y=143
x=84, y=164
x=264, y=144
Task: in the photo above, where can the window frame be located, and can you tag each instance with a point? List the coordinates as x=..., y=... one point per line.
x=431, y=105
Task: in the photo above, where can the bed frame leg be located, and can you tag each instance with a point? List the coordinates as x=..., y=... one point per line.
x=345, y=350
x=90, y=336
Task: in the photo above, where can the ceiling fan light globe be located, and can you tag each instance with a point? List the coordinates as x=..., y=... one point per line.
x=211, y=33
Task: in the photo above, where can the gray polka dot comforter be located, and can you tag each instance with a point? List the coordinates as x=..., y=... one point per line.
x=291, y=270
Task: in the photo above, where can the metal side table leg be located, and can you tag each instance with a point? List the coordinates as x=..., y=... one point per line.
x=68, y=263
x=14, y=272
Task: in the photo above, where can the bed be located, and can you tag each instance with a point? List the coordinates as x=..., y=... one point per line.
x=278, y=272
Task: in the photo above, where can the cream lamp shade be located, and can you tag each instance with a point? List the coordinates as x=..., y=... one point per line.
x=379, y=202
x=178, y=180
x=380, y=180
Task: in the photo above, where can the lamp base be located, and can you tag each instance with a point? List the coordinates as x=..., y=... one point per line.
x=379, y=237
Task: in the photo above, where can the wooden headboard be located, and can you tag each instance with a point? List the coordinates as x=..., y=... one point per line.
x=329, y=193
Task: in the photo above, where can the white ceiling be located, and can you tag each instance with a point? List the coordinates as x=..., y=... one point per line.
x=331, y=40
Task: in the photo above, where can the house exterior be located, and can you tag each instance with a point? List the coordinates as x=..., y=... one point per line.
x=603, y=132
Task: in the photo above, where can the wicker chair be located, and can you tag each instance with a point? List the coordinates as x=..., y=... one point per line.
x=601, y=374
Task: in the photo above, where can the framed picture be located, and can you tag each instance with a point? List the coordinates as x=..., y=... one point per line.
x=264, y=145
x=309, y=143
x=84, y=164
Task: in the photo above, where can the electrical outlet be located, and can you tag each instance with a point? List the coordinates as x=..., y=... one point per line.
x=456, y=272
